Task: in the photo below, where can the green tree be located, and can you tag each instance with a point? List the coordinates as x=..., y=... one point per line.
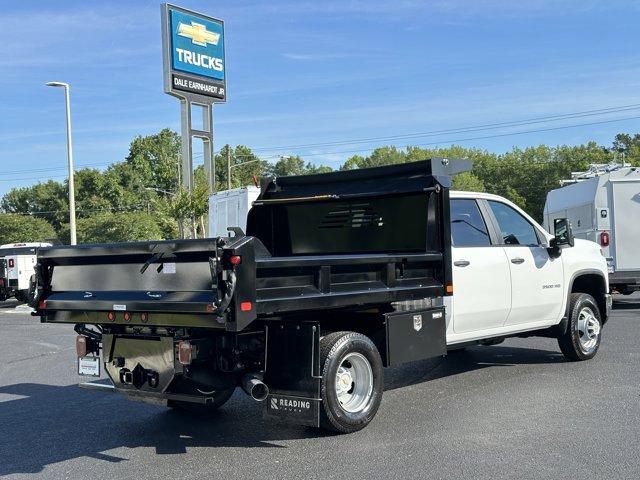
x=628, y=147
x=24, y=228
x=295, y=165
x=245, y=167
x=291, y=165
x=115, y=227
x=156, y=159
x=467, y=181
x=380, y=156
x=46, y=200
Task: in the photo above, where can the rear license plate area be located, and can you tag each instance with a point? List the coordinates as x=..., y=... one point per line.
x=89, y=366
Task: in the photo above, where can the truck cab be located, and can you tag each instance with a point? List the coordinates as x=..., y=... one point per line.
x=509, y=275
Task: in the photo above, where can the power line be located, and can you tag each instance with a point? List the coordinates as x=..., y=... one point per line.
x=51, y=169
x=483, y=127
x=460, y=140
x=488, y=126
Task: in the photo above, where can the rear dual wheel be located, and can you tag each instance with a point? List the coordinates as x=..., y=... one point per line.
x=352, y=381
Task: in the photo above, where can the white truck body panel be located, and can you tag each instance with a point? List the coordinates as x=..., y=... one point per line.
x=625, y=218
x=536, y=290
x=229, y=208
x=482, y=295
x=610, y=203
x=20, y=267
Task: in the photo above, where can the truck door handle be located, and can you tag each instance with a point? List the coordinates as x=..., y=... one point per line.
x=517, y=260
x=461, y=263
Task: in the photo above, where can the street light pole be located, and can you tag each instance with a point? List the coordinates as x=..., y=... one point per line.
x=72, y=196
x=228, y=167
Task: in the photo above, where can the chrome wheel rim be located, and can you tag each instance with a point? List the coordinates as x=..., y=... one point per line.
x=354, y=382
x=588, y=329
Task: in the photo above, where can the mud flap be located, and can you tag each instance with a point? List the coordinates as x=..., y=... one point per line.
x=292, y=373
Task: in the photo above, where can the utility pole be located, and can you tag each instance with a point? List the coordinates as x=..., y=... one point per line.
x=228, y=167
x=72, y=196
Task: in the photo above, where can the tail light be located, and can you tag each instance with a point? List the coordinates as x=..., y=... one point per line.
x=235, y=260
x=604, y=239
x=111, y=316
x=127, y=316
x=42, y=305
x=144, y=317
x=185, y=352
x=12, y=263
x=81, y=346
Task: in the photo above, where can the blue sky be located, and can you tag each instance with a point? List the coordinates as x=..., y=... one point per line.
x=305, y=72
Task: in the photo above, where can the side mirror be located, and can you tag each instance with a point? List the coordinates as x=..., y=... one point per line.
x=562, y=232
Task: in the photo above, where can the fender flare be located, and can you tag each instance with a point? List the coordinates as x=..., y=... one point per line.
x=562, y=326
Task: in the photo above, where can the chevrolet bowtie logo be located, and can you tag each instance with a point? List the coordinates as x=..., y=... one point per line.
x=198, y=34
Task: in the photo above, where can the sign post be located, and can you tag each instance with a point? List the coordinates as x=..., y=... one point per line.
x=194, y=71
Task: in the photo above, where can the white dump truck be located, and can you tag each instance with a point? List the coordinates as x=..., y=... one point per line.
x=603, y=205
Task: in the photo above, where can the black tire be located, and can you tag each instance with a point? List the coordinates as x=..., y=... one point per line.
x=333, y=350
x=569, y=340
x=456, y=351
x=20, y=296
x=220, y=398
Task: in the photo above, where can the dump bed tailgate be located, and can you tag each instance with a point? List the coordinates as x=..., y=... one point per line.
x=172, y=276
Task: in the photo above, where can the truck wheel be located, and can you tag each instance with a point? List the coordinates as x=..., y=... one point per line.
x=20, y=296
x=352, y=381
x=582, y=338
x=219, y=399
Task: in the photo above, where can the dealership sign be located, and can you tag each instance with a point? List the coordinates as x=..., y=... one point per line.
x=194, y=60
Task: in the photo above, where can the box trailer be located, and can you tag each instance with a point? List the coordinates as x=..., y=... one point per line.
x=229, y=208
x=603, y=205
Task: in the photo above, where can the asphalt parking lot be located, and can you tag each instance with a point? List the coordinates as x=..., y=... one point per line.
x=515, y=410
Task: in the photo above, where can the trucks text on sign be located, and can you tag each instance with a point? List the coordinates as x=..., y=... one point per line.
x=194, y=54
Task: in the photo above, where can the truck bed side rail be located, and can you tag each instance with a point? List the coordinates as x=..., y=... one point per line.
x=288, y=283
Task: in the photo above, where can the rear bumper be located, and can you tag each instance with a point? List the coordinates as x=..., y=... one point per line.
x=144, y=396
x=608, y=304
x=629, y=277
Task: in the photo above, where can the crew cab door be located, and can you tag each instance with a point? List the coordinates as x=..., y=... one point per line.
x=536, y=278
x=481, y=278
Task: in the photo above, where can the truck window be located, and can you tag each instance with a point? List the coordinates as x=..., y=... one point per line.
x=514, y=228
x=467, y=226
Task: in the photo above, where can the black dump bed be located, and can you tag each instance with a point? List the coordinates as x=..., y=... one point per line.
x=344, y=240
